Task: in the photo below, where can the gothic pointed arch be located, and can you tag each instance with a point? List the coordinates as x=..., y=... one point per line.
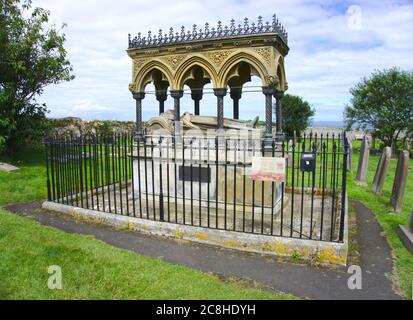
x=183, y=73
x=152, y=71
x=231, y=69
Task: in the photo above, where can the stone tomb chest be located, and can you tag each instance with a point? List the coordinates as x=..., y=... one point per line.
x=203, y=170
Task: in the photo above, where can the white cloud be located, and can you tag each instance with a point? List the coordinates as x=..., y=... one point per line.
x=326, y=57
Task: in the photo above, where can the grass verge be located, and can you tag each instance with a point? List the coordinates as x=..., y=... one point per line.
x=380, y=206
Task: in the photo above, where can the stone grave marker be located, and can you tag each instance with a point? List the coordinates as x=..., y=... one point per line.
x=407, y=145
x=399, y=184
x=381, y=171
x=8, y=167
x=350, y=156
x=363, y=164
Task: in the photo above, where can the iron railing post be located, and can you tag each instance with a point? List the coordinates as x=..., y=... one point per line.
x=161, y=207
x=343, y=191
x=49, y=194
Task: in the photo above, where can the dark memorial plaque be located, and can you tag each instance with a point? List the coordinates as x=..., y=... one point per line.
x=196, y=174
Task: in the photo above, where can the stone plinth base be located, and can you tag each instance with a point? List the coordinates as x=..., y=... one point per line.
x=323, y=252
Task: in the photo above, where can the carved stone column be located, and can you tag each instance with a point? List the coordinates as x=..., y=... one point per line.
x=278, y=113
x=138, y=96
x=220, y=93
x=268, y=92
x=161, y=96
x=177, y=95
x=236, y=96
x=196, y=95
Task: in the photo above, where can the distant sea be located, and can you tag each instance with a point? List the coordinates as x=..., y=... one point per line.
x=328, y=124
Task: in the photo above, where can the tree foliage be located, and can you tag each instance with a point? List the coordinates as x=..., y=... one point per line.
x=296, y=115
x=32, y=56
x=383, y=103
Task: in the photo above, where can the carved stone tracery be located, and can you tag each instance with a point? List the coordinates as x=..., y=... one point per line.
x=218, y=57
x=265, y=53
x=137, y=64
x=174, y=61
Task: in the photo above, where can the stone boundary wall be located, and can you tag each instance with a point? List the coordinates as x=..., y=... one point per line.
x=76, y=126
x=320, y=252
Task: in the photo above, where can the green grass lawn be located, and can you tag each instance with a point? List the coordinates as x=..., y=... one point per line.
x=29, y=183
x=389, y=221
x=91, y=269
x=94, y=270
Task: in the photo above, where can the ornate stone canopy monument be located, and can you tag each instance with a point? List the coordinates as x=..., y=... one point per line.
x=226, y=56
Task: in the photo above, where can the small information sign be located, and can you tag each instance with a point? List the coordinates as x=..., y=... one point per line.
x=268, y=169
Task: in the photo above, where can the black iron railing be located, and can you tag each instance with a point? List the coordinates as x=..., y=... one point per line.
x=205, y=182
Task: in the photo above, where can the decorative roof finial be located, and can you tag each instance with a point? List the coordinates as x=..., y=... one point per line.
x=219, y=28
x=232, y=23
x=246, y=24
x=260, y=22
x=206, y=28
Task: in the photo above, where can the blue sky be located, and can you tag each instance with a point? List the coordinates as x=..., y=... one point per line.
x=332, y=45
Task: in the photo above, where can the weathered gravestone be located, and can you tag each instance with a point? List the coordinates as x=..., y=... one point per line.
x=8, y=167
x=406, y=234
x=381, y=171
x=290, y=149
x=407, y=145
x=361, y=177
x=350, y=156
x=399, y=184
